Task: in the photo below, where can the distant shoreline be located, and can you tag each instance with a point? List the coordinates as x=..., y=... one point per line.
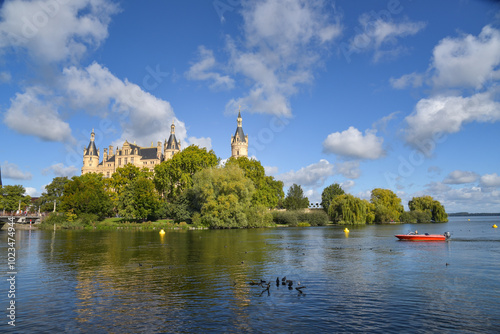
x=467, y=214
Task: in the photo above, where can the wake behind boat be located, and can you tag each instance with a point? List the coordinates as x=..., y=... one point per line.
x=414, y=236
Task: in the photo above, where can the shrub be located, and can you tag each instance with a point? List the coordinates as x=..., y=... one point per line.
x=314, y=218
x=285, y=217
x=258, y=216
x=87, y=218
x=54, y=218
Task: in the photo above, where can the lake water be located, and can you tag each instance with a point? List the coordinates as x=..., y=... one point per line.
x=198, y=281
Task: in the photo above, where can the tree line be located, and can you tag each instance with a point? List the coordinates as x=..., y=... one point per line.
x=384, y=207
x=194, y=187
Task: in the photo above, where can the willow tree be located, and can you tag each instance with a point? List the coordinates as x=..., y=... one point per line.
x=387, y=204
x=430, y=205
x=348, y=209
x=223, y=196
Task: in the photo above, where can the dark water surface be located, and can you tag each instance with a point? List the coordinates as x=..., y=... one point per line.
x=198, y=281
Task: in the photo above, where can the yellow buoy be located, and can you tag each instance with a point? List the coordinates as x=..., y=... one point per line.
x=346, y=230
x=468, y=220
x=162, y=232
x=494, y=226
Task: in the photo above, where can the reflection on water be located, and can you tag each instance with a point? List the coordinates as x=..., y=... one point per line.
x=198, y=281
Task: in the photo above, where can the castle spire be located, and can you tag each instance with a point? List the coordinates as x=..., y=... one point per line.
x=239, y=142
x=171, y=146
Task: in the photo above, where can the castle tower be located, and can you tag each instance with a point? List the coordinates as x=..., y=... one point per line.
x=172, y=146
x=239, y=142
x=90, y=156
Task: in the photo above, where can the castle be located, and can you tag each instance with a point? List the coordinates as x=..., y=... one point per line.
x=147, y=156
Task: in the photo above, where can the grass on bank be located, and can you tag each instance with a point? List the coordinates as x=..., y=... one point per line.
x=65, y=221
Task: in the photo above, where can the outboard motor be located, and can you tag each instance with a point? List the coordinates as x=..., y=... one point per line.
x=447, y=235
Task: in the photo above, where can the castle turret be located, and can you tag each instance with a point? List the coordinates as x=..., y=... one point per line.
x=239, y=142
x=173, y=145
x=90, y=155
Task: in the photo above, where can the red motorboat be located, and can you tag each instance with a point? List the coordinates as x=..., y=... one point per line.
x=414, y=236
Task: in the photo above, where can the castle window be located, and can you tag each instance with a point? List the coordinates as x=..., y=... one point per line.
x=132, y=160
x=119, y=161
x=107, y=174
x=125, y=161
x=126, y=152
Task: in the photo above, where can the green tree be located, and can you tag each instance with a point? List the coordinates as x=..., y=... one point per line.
x=268, y=191
x=295, y=198
x=387, y=204
x=181, y=209
x=125, y=175
x=348, y=209
x=172, y=177
x=223, y=196
x=86, y=195
x=139, y=200
x=428, y=204
x=416, y=216
x=329, y=193
x=53, y=193
x=11, y=197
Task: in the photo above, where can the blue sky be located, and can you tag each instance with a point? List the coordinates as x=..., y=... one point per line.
x=390, y=94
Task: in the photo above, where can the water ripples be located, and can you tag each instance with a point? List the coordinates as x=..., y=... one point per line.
x=129, y=281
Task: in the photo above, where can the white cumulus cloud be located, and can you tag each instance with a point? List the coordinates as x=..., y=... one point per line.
x=201, y=142
x=32, y=192
x=12, y=171
x=447, y=114
x=382, y=36
x=313, y=175
x=407, y=80
x=36, y=112
x=143, y=117
x=461, y=177
x=490, y=180
x=60, y=170
x=468, y=60
x=55, y=30
x=205, y=68
x=282, y=44
x=352, y=143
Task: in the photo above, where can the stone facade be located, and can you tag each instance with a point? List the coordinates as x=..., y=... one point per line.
x=129, y=154
x=239, y=142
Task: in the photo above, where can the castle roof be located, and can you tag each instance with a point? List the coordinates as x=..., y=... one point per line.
x=91, y=149
x=148, y=153
x=172, y=143
x=239, y=134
